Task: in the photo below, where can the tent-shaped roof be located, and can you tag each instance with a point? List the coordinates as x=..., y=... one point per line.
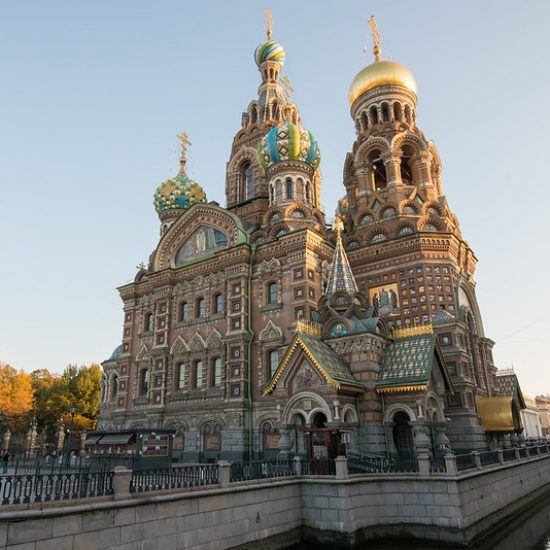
x=408, y=361
x=322, y=357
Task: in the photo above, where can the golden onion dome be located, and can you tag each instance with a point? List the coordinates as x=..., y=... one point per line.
x=381, y=73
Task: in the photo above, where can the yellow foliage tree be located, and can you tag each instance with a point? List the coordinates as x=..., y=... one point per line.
x=16, y=396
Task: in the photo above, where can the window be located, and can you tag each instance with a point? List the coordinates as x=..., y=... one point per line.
x=180, y=376
x=247, y=181
x=199, y=308
x=272, y=293
x=289, y=189
x=144, y=382
x=184, y=311
x=149, y=321
x=217, y=372
x=273, y=361
x=115, y=386
x=199, y=382
x=218, y=303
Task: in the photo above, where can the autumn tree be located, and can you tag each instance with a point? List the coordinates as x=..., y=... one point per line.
x=16, y=397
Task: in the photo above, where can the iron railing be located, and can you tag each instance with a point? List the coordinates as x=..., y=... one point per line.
x=318, y=467
x=190, y=475
x=376, y=464
x=437, y=464
x=465, y=462
x=489, y=457
x=259, y=469
x=29, y=488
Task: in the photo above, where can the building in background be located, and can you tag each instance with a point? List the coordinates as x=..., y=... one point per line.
x=257, y=329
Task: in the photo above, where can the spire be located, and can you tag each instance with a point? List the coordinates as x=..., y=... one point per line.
x=376, y=38
x=341, y=277
x=184, y=139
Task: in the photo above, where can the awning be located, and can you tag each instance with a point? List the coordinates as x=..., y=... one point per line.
x=115, y=439
x=495, y=413
x=92, y=439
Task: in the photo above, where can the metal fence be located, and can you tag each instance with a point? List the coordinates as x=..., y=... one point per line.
x=190, y=475
x=375, y=464
x=318, y=467
x=28, y=488
x=259, y=469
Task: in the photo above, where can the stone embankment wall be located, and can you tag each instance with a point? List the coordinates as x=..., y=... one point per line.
x=276, y=513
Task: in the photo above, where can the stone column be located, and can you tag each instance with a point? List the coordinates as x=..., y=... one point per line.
x=121, y=482
x=422, y=442
x=60, y=436
x=393, y=171
x=224, y=475
x=82, y=450
x=450, y=464
x=341, y=463
x=424, y=465
x=285, y=444
x=477, y=459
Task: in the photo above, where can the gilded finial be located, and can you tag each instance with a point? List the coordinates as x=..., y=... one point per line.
x=338, y=226
x=269, y=20
x=184, y=139
x=376, y=38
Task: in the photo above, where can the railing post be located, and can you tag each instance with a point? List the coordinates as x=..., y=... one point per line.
x=424, y=465
x=500, y=454
x=477, y=459
x=121, y=482
x=341, y=463
x=450, y=464
x=516, y=453
x=298, y=465
x=224, y=474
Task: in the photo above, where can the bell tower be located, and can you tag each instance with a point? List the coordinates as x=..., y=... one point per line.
x=403, y=239
x=246, y=185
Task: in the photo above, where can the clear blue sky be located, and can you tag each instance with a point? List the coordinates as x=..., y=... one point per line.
x=92, y=95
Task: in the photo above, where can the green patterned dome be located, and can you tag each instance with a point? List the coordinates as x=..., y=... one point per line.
x=288, y=142
x=178, y=192
x=269, y=51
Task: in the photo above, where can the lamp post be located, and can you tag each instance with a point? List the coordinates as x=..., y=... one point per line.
x=72, y=410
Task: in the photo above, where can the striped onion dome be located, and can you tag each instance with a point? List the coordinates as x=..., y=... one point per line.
x=269, y=51
x=288, y=142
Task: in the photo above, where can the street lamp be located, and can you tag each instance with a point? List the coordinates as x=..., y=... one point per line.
x=72, y=410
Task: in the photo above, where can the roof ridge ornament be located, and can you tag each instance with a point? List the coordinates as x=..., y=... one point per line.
x=377, y=51
x=416, y=330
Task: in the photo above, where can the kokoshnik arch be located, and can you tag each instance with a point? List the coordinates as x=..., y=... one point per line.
x=256, y=329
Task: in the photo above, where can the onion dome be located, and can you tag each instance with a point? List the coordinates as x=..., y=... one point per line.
x=178, y=192
x=269, y=51
x=288, y=142
x=380, y=73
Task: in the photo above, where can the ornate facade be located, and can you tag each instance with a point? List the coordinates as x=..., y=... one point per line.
x=257, y=329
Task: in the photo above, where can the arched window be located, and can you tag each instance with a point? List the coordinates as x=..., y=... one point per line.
x=308, y=192
x=272, y=293
x=403, y=435
x=408, y=116
x=289, y=189
x=198, y=375
x=273, y=361
x=407, y=176
x=143, y=382
x=378, y=170
x=397, y=111
x=364, y=121
x=271, y=193
x=218, y=303
x=216, y=378
x=373, y=112
x=114, y=387
x=149, y=322
x=200, y=308
x=180, y=375
x=184, y=311
x=212, y=437
x=385, y=112
x=247, y=181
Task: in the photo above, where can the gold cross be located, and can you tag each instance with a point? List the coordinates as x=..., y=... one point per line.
x=184, y=139
x=269, y=20
x=376, y=38
x=287, y=89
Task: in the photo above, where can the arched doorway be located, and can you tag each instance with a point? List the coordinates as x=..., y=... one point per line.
x=322, y=444
x=403, y=435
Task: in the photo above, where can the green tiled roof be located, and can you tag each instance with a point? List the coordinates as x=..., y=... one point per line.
x=407, y=362
x=323, y=357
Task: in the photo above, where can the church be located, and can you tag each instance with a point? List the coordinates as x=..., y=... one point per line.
x=257, y=330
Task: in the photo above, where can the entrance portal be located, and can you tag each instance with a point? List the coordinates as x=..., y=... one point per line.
x=403, y=435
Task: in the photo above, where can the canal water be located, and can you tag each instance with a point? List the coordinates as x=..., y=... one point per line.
x=529, y=530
